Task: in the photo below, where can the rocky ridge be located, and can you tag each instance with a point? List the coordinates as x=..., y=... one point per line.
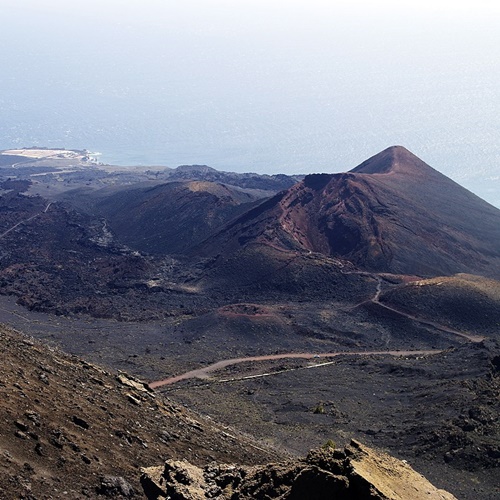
x=356, y=473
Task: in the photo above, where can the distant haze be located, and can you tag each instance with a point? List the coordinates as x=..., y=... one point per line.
x=292, y=87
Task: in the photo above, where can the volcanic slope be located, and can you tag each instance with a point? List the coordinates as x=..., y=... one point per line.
x=393, y=213
x=171, y=218
x=57, y=260
x=465, y=302
x=73, y=430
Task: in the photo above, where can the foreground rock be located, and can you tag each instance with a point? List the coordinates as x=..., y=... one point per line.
x=358, y=473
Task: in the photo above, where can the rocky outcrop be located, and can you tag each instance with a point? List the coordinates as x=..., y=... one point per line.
x=358, y=473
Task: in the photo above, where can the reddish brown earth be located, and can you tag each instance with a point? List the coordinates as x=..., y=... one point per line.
x=393, y=213
x=247, y=310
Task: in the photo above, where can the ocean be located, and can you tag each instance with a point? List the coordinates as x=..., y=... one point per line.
x=254, y=99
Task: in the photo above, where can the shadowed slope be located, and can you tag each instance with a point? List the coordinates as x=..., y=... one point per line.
x=170, y=218
x=469, y=303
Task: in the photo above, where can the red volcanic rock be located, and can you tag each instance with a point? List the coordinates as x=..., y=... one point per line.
x=393, y=213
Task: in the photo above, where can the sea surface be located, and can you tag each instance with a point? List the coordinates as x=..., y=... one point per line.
x=322, y=97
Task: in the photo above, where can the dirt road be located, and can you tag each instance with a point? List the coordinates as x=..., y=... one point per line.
x=203, y=372
x=25, y=220
x=437, y=326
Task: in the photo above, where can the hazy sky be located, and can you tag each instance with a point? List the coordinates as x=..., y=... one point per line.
x=291, y=86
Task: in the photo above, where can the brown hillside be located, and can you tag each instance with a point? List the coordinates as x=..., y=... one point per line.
x=465, y=302
x=171, y=218
x=393, y=213
x=73, y=430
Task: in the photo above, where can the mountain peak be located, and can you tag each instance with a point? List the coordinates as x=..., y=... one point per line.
x=393, y=213
x=391, y=160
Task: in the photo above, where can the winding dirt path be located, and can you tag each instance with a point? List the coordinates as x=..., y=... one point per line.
x=203, y=372
x=437, y=326
x=25, y=220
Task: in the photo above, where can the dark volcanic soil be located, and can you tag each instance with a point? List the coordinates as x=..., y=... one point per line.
x=72, y=430
x=445, y=405
x=441, y=412
x=466, y=302
x=171, y=218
